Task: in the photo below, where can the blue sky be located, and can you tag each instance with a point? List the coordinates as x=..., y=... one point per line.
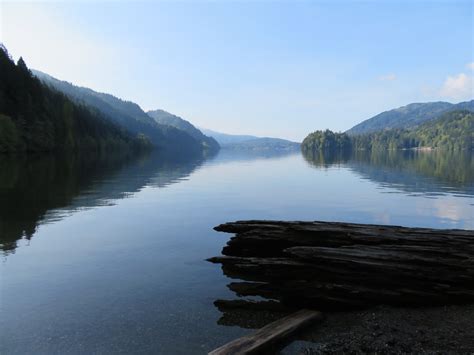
x=267, y=68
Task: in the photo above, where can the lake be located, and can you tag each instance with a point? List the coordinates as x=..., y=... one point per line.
x=107, y=255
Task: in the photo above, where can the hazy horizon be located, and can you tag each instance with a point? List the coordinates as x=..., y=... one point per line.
x=262, y=68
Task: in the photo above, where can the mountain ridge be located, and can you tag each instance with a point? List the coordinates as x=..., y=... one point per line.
x=226, y=138
x=452, y=130
x=166, y=118
x=254, y=143
x=126, y=114
x=408, y=116
x=36, y=118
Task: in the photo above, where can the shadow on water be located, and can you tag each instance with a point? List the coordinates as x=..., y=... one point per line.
x=40, y=189
x=428, y=173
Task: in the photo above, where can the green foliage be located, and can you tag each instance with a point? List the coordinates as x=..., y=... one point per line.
x=142, y=142
x=128, y=115
x=8, y=134
x=36, y=118
x=326, y=141
x=453, y=131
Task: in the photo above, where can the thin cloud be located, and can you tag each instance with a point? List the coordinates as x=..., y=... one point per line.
x=458, y=87
x=470, y=65
x=388, y=77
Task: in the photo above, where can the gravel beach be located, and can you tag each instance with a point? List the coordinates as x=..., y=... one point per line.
x=390, y=330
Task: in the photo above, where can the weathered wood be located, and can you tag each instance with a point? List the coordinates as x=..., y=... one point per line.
x=254, y=234
x=270, y=335
x=349, y=265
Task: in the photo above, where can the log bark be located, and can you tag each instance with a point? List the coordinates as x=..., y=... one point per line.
x=335, y=265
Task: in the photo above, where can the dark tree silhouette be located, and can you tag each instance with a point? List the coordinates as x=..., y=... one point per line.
x=34, y=117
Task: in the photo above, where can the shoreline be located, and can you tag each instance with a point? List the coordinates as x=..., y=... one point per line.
x=391, y=330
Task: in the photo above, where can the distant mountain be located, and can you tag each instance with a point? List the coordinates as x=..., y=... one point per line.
x=125, y=113
x=264, y=144
x=225, y=139
x=408, y=116
x=252, y=143
x=35, y=118
x=166, y=118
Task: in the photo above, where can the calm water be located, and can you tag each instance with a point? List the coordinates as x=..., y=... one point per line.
x=107, y=256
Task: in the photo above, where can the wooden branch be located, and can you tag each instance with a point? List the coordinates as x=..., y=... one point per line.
x=270, y=335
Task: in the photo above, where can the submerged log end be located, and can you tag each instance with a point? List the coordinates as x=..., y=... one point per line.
x=215, y=259
x=234, y=227
x=220, y=227
x=247, y=225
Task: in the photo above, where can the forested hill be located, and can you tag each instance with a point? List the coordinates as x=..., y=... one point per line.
x=453, y=130
x=408, y=116
x=166, y=118
x=36, y=118
x=127, y=114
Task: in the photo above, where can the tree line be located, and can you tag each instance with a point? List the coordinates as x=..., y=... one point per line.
x=452, y=130
x=36, y=118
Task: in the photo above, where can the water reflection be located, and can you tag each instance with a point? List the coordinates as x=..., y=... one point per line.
x=427, y=173
x=131, y=277
x=41, y=189
x=410, y=173
x=227, y=155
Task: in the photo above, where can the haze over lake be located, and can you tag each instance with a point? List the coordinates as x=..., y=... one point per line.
x=107, y=255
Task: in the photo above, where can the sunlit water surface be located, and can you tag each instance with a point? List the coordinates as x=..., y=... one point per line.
x=109, y=256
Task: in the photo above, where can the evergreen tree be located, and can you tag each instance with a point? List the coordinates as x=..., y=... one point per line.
x=35, y=118
x=452, y=130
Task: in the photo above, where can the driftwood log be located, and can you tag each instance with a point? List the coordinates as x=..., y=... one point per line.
x=327, y=266
x=271, y=335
